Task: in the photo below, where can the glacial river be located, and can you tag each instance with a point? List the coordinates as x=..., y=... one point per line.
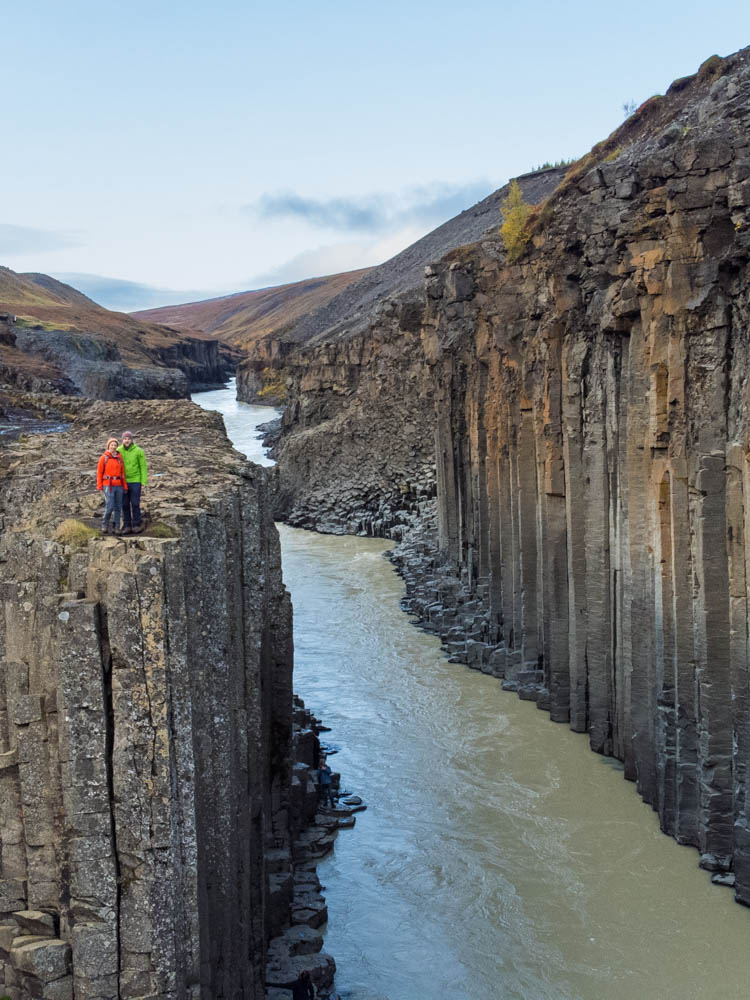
x=499, y=857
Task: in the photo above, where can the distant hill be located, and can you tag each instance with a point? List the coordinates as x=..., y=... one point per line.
x=244, y=317
x=53, y=332
x=40, y=299
x=57, y=289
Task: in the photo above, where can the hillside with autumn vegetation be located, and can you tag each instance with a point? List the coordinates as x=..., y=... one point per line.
x=38, y=299
x=243, y=318
x=53, y=334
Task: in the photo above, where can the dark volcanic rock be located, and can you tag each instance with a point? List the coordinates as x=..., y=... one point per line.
x=78, y=363
x=584, y=414
x=93, y=367
x=145, y=718
x=207, y=364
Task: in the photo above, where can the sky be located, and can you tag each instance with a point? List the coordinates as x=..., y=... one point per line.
x=162, y=151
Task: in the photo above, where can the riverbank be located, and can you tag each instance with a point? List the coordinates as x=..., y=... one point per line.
x=294, y=886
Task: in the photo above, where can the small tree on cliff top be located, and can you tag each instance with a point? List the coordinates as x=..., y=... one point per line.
x=514, y=231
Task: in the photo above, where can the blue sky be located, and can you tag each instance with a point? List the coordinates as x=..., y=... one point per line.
x=193, y=149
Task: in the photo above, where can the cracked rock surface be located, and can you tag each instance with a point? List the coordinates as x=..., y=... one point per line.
x=145, y=718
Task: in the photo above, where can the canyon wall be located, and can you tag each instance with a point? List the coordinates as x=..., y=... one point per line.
x=207, y=364
x=145, y=718
x=360, y=457
x=368, y=305
x=589, y=405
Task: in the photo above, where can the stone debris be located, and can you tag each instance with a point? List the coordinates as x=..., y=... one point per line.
x=724, y=878
x=298, y=908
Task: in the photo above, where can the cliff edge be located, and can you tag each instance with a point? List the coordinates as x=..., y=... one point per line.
x=145, y=718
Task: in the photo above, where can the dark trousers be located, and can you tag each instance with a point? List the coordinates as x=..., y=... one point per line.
x=131, y=506
x=113, y=504
x=325, y=795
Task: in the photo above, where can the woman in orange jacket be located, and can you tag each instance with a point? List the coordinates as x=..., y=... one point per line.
x=110, y=477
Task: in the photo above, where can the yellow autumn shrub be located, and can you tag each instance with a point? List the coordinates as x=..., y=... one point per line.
x=514, y=230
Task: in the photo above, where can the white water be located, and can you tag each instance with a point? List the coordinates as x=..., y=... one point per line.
x=499, y=857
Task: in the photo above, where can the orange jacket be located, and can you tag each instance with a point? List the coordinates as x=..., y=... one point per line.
x=110, y=471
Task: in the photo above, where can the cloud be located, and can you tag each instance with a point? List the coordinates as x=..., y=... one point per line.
x=25, y=239
x=315, y=263
x=333, y=213
x=129, y=296
x=338, y=257
x=373, y=213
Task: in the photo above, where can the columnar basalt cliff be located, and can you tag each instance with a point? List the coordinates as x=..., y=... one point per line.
x=147, y=794
x=590, y=407
x=207, y=364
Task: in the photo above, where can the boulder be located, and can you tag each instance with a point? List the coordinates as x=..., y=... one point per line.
x=46, y=959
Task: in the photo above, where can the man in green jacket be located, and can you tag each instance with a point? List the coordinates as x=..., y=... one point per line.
x=136, y=474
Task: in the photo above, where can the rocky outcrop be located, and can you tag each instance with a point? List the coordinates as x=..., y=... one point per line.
x=356, y=451
x=77, y=363
x=589, y=544
x=145, y=718
x=92, y=367
x=266, y=361
x=207, y=364
x=51, y=335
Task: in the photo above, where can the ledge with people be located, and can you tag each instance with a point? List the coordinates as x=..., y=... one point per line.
x=121, y=475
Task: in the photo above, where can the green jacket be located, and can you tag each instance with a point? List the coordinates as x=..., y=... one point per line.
x=136, y=470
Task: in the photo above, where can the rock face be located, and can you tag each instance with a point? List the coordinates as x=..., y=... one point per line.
x=52, y=337
x=145, y=719
x=590, y=411
x=207, y=364
x=93, y=367
x=360, y=306
x=336, y=474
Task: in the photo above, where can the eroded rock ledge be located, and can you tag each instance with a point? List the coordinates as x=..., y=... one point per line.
x=147, y=788
x=43, y=360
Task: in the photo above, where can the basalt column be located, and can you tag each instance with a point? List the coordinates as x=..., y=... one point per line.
x=592, y=454
x=145, y=732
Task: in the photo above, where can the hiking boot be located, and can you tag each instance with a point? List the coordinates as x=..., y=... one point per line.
x=138, y=528
x=126, y=531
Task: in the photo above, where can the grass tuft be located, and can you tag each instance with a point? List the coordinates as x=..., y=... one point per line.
x=162, y=530
x=76, y=534
x=711, y=68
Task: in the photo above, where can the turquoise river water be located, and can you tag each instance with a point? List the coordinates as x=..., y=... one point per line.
x=498, y=857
